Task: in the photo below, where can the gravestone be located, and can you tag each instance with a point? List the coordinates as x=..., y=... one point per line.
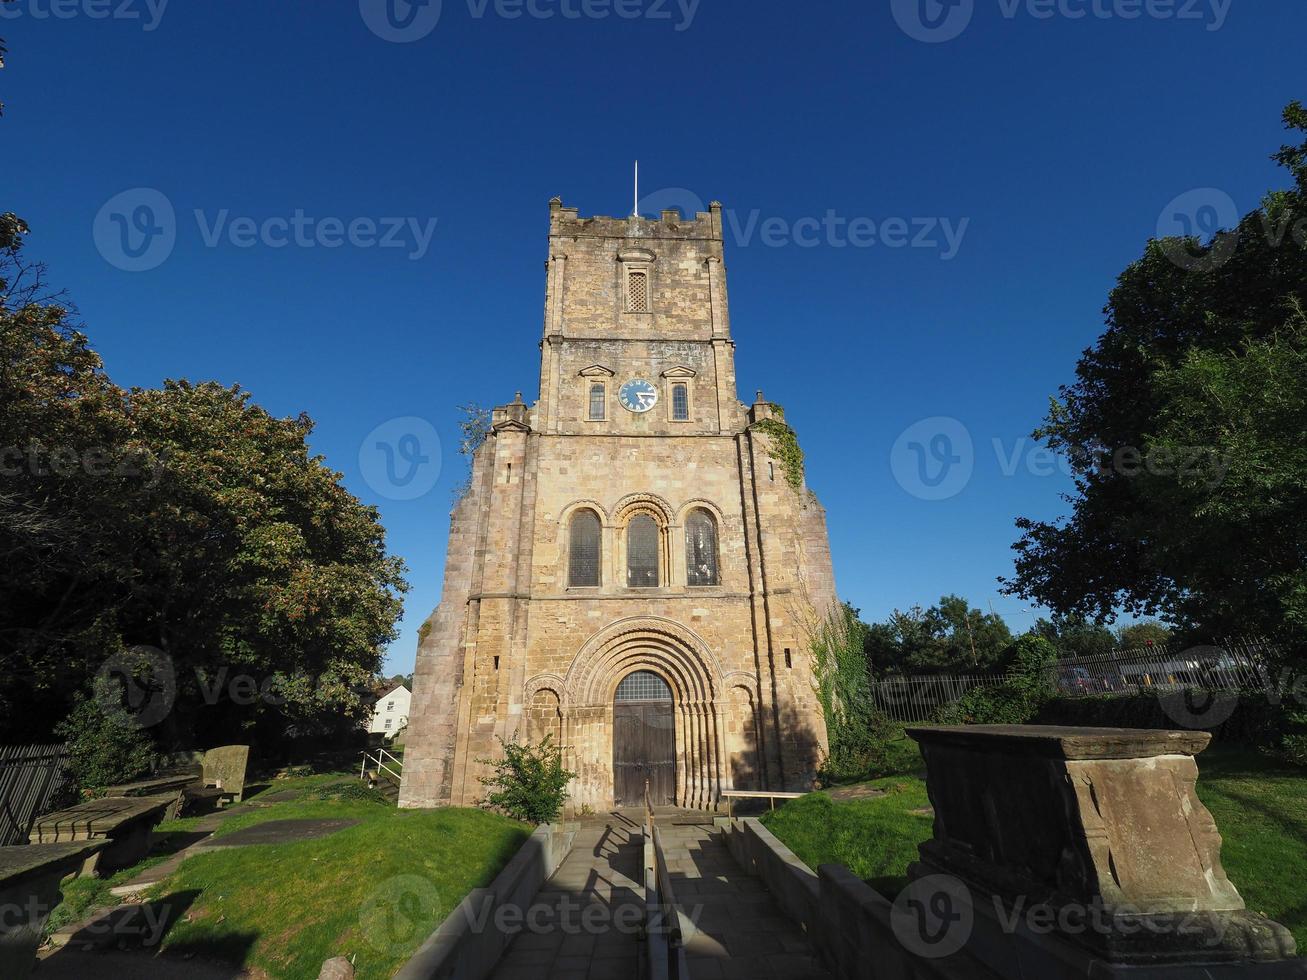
x=1082, y=851
x=29, y=891
x=224, y=768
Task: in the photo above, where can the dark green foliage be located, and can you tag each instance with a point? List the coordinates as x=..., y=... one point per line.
x=1018, y=699
x=531, y=781
x=949, y=637
x=1201, y=381
x=862, y=741
x=185, y=518
x=1140, y=635
x=785, y=444
x=1074, y=636
x=105, y=747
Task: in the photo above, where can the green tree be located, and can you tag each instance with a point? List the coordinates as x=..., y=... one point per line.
x=1181, y=430
x=948, y=637
x=1139, y=635
x=184, y=518
x=1075, y=636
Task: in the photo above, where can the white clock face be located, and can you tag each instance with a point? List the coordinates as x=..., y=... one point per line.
x=638, y=395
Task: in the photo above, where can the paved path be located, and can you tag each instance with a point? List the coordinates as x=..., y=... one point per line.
x=740, y=931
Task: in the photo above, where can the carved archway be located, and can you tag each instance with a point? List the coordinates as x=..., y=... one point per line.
x=681, y=658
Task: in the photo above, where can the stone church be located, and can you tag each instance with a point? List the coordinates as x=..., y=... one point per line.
x=637, y=563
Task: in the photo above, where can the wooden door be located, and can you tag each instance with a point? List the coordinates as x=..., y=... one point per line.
x=644, y=748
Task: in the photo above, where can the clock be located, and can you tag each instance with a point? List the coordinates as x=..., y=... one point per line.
x=637, y=395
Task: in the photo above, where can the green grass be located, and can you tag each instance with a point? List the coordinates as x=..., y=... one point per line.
x=1260, y=806
x=372, y=892
x=876, y=838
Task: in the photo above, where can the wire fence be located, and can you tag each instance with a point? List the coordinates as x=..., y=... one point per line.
x=1236, y=665
x=30, y=778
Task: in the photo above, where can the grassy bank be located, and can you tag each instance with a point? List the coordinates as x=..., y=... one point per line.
x=372, y=892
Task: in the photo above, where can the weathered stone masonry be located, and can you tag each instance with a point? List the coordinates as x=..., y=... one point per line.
x=515, y=648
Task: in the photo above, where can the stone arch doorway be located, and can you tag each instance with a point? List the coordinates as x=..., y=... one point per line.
x=644, y=740
x=691, y=671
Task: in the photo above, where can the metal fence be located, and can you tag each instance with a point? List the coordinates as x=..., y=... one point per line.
x=919, y=698
x=1235, y=665
x=30, y=777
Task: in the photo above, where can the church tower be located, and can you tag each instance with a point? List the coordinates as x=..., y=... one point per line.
x=637, y=562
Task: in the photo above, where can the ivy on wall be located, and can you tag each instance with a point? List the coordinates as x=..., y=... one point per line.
x=785, y=445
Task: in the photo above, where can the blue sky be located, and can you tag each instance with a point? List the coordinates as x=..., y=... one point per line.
x=1027, y=151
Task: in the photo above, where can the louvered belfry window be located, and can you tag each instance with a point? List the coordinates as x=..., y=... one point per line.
x=597, y=401
x=583, y=552
x=701, y=549
x=642, y=552
x=637, y=292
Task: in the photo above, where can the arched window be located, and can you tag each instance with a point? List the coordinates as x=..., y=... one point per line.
x=701, y=549
x=583, y=549
x=642, y=552
x=643, y=685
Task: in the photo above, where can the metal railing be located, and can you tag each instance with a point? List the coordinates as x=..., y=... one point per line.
x=377, y=760
x=1235, y=665
x=665, y=937
x=30, y=777
x=917, y=698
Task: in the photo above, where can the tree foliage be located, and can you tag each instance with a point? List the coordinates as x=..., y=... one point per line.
x=948, y=637
x=1183, y=428
x=185, y=518
x=105, y=747
x=1017, y=700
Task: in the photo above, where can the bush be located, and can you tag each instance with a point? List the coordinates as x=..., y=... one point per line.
x=105, y=746
x=531, y=779
x=1019, y=698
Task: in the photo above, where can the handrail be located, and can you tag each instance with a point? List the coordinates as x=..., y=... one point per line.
x=663, y=930
x=380, y=763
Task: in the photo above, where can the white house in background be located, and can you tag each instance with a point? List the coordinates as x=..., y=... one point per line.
x=391, y=712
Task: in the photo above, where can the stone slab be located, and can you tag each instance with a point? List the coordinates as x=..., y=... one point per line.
x=96, y=818
x=279, y=832
x=1058, y=742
